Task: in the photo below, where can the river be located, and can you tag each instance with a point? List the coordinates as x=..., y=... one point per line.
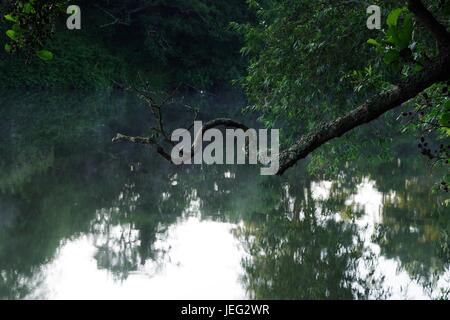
x=83, y=218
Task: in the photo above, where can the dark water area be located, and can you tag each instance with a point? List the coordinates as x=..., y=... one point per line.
x=81, y=217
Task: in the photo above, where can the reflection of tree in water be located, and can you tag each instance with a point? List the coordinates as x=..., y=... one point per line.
x=116, y=244
x=313, y=247
x=304, y=260
x=126, y=234
x=415, y=224
x=69, y=180
x=299, y=245
x=415, y=228
x=130, y=234
x=301, y=252
x=55, y=172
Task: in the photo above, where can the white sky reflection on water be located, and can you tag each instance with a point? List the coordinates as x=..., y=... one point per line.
x=204, y=260
x=204, y=264
x=397, y=281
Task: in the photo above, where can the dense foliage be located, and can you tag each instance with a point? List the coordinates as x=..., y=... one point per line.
x=187, y=42
x=24, y=18
x=312, y=61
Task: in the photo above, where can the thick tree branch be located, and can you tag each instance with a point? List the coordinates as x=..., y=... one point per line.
x=422, y=14
x=219, y=122
x=225, y=122
x=438, y=70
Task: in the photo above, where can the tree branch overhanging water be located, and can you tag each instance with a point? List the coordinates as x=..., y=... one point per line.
x=436, y=71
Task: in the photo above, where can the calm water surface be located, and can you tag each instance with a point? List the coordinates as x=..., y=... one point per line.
x=85, y=219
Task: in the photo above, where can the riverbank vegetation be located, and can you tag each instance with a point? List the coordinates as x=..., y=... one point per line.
x=311, y=68
x=360, y=209
x=167, y=42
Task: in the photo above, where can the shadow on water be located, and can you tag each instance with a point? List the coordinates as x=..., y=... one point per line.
x=83, y=218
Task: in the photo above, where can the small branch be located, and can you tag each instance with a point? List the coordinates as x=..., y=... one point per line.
x=143, y=140
x=155, y=107
x=115, y=21
x=225, y=122
x=110, y=24
x=195, y=111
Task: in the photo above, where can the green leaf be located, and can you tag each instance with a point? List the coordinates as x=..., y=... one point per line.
x=393, y=16
x=10, y=18
x=405, y=34
x=391, y=56
x=389, y=39
x=8, y=48
x=447, y=105
x=392, y=36
x=45, y=55
x=12, y=35
x=445, y=120
x=28, y=8
x=373, y=42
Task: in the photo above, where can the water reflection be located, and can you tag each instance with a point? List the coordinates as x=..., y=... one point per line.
x=82, y=271
x=82, y=218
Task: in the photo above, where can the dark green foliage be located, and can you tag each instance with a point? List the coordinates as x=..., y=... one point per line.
x=77, y=63
x=29, y=26
x=188, y=42
x=313, y=61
